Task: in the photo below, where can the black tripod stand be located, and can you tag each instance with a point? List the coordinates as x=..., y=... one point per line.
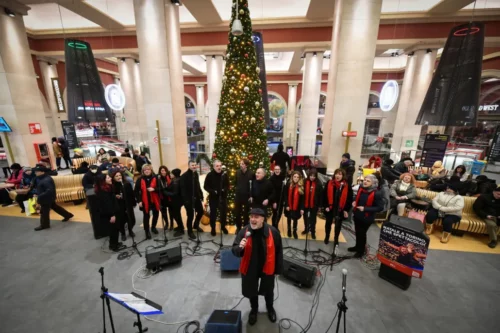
x=104, y=297
x=133, y=246
x=342, y=308
x=164, y=240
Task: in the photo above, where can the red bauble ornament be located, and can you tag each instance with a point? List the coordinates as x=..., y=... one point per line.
x=242, y=101
x=246, y=55
x=229, y=140
x=250, y=157
x=261, y=118
x=217, y=120
x=214, y=155
x=245, y=135
x=243, y=76
x=260, y=91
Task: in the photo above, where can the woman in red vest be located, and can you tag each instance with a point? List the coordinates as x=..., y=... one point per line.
x=312, y=199
x=368, y=202
x=164, y=181
x=146, y=193
x=337, y=202
x=294, y=202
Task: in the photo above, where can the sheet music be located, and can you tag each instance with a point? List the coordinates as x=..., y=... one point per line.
x=126, y=297
x=141, y=307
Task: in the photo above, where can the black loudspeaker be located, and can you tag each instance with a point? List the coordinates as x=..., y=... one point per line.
x=395, y=277
x=223, y=321
x=298, y=272
x=163, y=256
x=228, y=261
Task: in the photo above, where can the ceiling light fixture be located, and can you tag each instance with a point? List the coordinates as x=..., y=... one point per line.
x=315, y=54
x=176, y=2
x=411, y=54
x=137, y=61
x=237, y=27
x=429, y=50
x=9, y=12
x=213, y=57
x=122, y=59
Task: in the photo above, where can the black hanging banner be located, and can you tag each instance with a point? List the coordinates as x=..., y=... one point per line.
x=86, y=102
x=261, y=62
x=494, y=154
x=453, y=96
x=69, y=132
x=434, y=149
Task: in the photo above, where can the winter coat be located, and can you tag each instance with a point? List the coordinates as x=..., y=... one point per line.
x=217, y=185
x=282, y=159
x=262, y=190
x=368, y=214
x=450, y=204
x=278, y=188
x=485, y=205
x=46, y=190
x=243, y=185
x=187, y=187
x=350, y=168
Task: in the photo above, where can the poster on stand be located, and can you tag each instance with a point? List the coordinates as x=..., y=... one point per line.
x=434, y=149
x=261, y=62
x=403, y=249
x=69, y=132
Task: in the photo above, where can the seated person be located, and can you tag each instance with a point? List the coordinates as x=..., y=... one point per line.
x=437, y=170
x=77, y=153
x=460, y=172
x=374, y=162
x=116, y=166
x=105, y=164
x=447, y=205
x=28, y=184
x=15, y=178
x=83, y=169
x=387, y=172
x=126, y=153
x=487, y=207
x=482, y=185
x=402, y=191
x=403, y=166
x=89, y=179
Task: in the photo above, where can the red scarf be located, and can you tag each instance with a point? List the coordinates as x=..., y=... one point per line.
x=269, y=265
x=333, y=185
x=293, y=197
x=369, y=202
x=310, y=193
x=155, y=199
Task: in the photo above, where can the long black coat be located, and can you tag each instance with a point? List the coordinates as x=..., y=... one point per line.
x=262, y=190
x=278, y=187
x=46, y=190
x=126, y=204
x=250, y=282
x=217, y=185
x=188, y=185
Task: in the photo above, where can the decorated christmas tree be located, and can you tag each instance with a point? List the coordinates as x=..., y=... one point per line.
x=241, y=128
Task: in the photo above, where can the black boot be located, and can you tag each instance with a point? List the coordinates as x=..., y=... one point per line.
x=131, y=233
x=154, y=230
x=295, y=234
x=252, y=318
x=271, y=314
x=353, y=249
x=313, y=234
x=148, y=234
x=289, y=231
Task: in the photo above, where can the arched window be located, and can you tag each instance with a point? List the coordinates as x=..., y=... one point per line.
x=321, y=118
x=190, y=106
x=277, y=112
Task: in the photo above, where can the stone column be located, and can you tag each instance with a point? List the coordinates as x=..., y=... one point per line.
x=214, y=81
x=153, y=31
x=20, y=98
x=311, y=89
x=49, y=71
x=359, y=22
x=200, y=103
x=290, y=124
x=131, y=130
x=418, y=76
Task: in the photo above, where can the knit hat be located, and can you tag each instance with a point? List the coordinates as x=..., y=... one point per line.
x=347, y=155
x=176, y=173
x=27, y=169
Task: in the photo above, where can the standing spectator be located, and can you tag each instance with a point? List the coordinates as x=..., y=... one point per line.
x=109, y=210
x=262, y=193
x=102, y=155
x=387, y=172
x=105, y=164
x=403, y=166
x=241, y=202
x=146, y=194
x=57, y=152
x=278, y=182
x=164, y=181
x=192, y=196
x=402, y=191
x=15, y=178
x=368, y=202
x=349, y=166
x=337, y=202
x=313, y=192
x=294, y=204
x=281, y=158
x=65, y=152
x=487, y=207
x=448, y=206
x=46, y=198
x=217, y=186
x=141, y=160
x=174, y=193
x=27, y=184
x=126, y=153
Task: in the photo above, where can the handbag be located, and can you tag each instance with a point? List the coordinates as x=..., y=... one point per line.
x=413, y=214
x=12, y=195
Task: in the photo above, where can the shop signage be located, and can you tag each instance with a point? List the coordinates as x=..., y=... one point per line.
x=488, y=107
x=115, y=98
x=350, y=134
x=434, y=149
x=409, y=143
x=57, y=95
x=389, y=95
x=123, y=119
x=35, y=128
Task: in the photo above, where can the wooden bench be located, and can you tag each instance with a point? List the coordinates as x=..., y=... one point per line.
x=470, y=222
x=69, y=188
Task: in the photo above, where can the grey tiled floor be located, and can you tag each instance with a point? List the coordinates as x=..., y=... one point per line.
x=50, y=283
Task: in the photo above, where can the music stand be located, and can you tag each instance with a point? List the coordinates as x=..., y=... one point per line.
x=136, y=304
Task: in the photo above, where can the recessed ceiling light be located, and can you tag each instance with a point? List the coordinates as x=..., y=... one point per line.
x=9, y=12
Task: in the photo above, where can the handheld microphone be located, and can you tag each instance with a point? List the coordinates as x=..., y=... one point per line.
x=248, y=234
x=344, y=279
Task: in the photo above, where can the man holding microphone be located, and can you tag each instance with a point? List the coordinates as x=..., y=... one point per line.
x=260, y=247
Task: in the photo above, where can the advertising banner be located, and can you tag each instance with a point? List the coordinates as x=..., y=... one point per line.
x=453, y=96
x=86, y=100
x=69, y=132
x=403, y=249
x=261, y=62
x=434, y=149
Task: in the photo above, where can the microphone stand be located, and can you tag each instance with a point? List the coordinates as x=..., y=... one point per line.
x=164, y=240
x=134, y=243
x=342, y=308
x=103, y=296
x=308, y=224
x=222, y=201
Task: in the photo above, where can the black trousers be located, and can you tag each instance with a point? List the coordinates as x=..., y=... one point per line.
x=241, y=209
x=113, y=229
x=147, y=215
x=58, y=162
x=277, y=213
x=190, y=209
x=4, y=197
x=165, y=216
x=45, y=213
x=330, y=218
x=310, y=215
x=220, y=205
x=289, y=223
x=448, y=220
x=361, y=227
x=269, y=297
x=174, y=211
x=21, y=198
x=67, y=160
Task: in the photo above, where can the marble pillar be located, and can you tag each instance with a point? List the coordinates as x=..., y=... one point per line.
x=49, y=71
x=20, y=97
x=290, y=123
x=200, y=104
x=311, y=89
x=359, y=23
x=131, y=129
x=214, y=81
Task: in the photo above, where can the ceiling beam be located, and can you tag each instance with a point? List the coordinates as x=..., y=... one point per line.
x=203, y=11
x=320, y=9
x=92, y=14
x=449, y=7
x=191, y=69
x=296, y=63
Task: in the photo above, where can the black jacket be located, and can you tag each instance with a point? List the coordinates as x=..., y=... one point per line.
x=368, y=215
x=400, y=168
x=108, y=204
x=188, y=185
x=46, y=190
x=89, y=178
x=140, y=161
x=318, y=194
x=349, y=168
x=81, y=170
x=278, y=187
x=174, y=192
x=126, y=203
x=262, y=190
x=388, y=173
x=281, y=158
x=242, y=185
x=294, y=214
x=336, y=201
x=485, y=205
x=216, y=184
x=249, y=283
